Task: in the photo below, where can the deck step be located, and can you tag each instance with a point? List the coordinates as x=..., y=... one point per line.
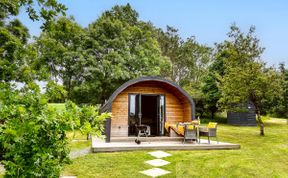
x=128, y=146
x=146, y=139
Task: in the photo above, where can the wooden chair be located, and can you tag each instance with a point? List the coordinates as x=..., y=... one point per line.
x=190, y=133
x=209, y=131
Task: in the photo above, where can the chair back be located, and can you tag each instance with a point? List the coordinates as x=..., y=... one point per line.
x=190, y=132
x=212, y=127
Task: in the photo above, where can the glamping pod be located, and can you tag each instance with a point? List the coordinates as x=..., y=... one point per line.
x=150, y=101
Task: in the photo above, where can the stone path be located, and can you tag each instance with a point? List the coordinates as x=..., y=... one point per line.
x=155, y=172
x=157, y=162
x=159, y=154
x=77, y=153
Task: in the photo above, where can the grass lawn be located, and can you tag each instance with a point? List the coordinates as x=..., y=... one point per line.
x=258, y=157
x=77, y=140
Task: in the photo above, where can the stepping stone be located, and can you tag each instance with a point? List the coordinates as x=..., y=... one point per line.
x=155, y=172
x=157, y=162
x=159, y=154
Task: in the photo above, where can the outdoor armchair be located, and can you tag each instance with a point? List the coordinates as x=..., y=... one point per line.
x=190, y=133
x=209, y=131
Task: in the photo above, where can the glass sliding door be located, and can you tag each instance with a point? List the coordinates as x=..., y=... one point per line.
x=133, y=113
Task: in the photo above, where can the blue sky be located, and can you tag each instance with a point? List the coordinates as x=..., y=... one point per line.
x=207, y=20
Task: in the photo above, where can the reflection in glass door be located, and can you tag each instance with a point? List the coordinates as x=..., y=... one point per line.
x=134, y=113
x=161, y=114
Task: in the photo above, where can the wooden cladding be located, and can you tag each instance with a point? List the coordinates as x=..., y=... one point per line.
x=178, y=108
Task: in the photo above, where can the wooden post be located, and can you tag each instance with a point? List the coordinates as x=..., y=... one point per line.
x=108, y=129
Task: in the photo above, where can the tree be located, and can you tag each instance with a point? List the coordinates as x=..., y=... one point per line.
x=279, y=106
x=245, y=77
x=14, y=52
x=210, y=85
x=24, y=115
x=169, y=43
x=189, y=59
x=60, y=52
x=120, y=47
x=55, y=93
x=46, y=10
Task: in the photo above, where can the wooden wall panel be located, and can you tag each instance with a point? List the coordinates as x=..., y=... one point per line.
x=177, y=110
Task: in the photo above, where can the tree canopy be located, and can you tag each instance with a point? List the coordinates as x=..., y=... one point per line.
x=36, y=9
x=60, y=52
x=245, y=77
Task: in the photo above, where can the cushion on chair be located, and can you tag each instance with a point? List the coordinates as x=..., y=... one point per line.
x=212, y=125
x=190, y=127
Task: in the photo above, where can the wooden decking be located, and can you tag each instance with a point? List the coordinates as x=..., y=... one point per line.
x=146, y=139
x=156, y=143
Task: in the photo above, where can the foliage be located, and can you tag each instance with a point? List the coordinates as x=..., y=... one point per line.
x=55, y=93
x=32, y=136
x=36, y=9
x=210, y=85
x=189, y=59
x=91, y=121
x=245, y=78
x=120, y=47
x=14, y=53
x=279, y=105
x=60, y=52
x=91, y=63
x=86, y=118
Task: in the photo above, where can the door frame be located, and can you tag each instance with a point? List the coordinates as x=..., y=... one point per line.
x=140, y=105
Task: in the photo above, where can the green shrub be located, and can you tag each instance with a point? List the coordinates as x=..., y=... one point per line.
x=86, y=118
x=32, y=135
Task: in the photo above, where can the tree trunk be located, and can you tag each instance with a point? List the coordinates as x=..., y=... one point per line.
x=88, y=136
x=212, y=114
x=260, y=122
x=69, y=88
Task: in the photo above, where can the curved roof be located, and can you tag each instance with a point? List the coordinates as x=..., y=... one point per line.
x=108, y=105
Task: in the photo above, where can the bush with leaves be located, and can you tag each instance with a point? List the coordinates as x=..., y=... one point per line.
x=86, y=118
x=32, y=135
